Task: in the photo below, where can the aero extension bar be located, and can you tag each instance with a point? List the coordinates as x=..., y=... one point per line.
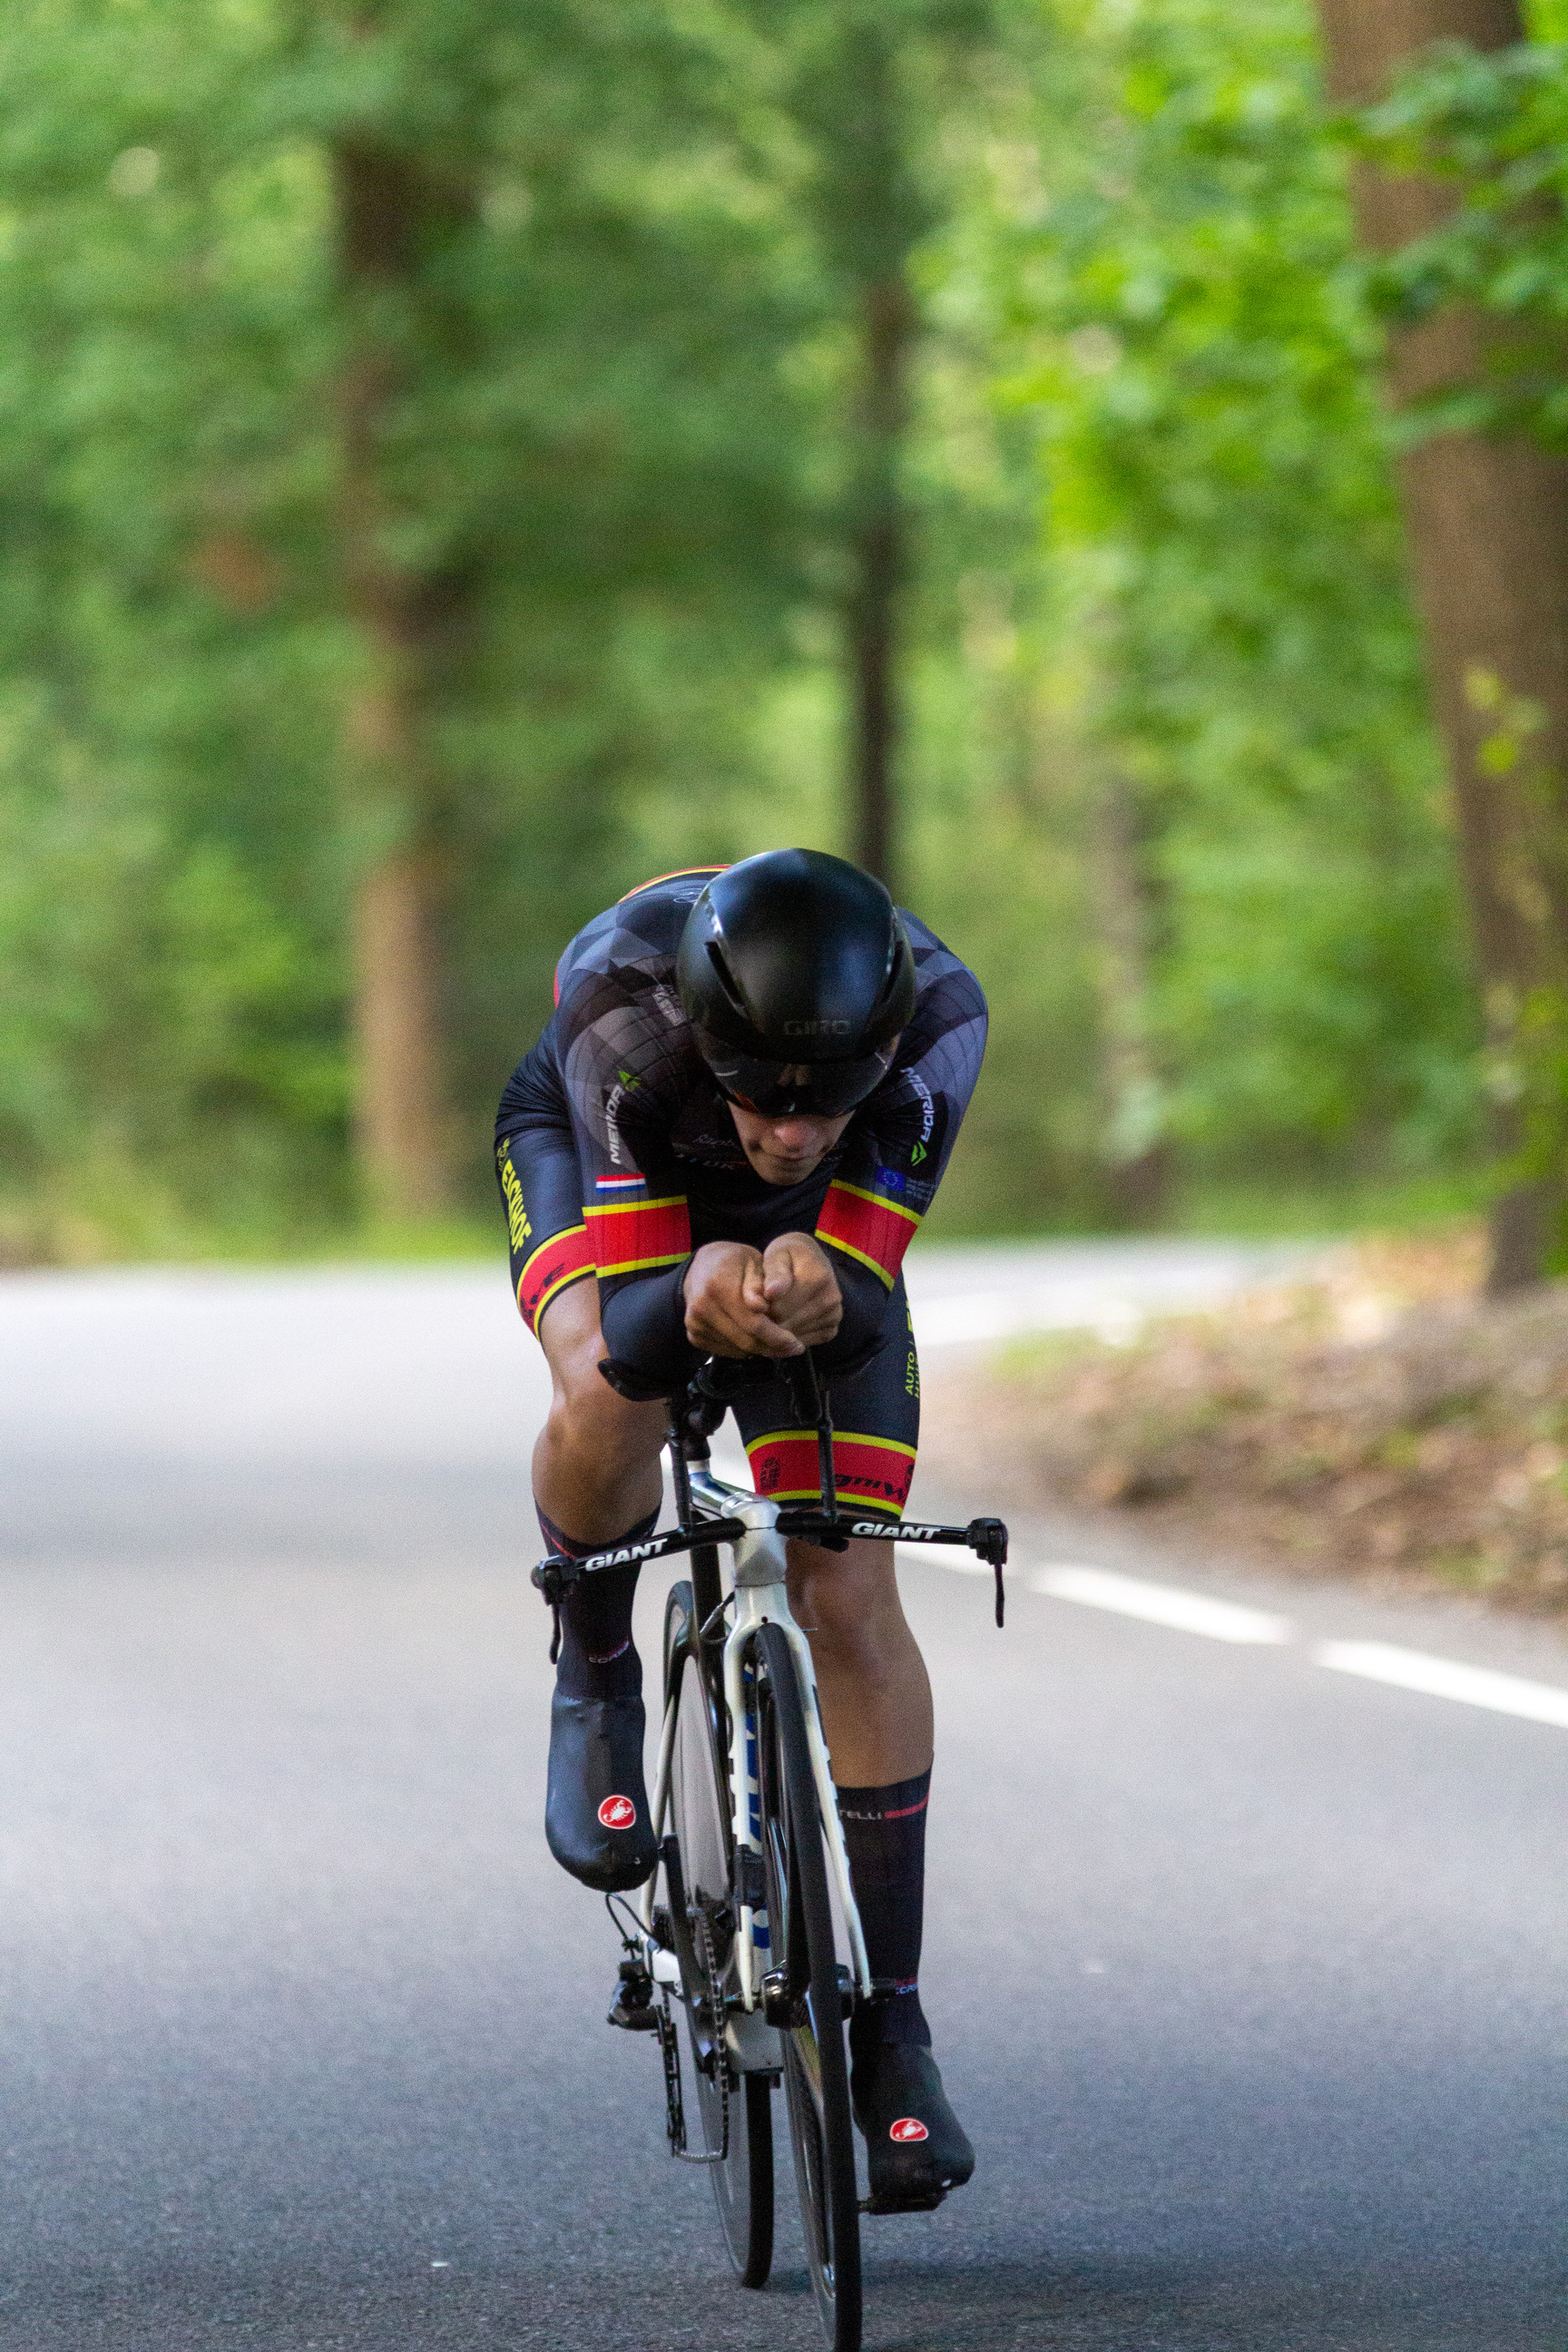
x=827, y=1526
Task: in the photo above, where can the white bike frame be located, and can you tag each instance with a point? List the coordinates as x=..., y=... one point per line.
x=761, y=1598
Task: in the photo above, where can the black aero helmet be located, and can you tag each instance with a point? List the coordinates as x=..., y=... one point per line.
x=797, y=973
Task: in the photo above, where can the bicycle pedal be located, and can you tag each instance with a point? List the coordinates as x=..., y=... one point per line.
x=634, y=2020
x=927, y=2204
x=632, y=2009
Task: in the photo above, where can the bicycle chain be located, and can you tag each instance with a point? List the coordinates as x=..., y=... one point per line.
x=670, y=2050
x=703, y=1927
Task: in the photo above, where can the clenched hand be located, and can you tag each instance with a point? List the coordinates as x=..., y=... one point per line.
x=775, y=1302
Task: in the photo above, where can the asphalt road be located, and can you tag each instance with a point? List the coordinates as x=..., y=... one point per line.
x=1246, y=1975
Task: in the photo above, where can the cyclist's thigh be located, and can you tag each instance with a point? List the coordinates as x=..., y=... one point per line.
x=875, y=1428
x=591, y=1420
x=542, y=1185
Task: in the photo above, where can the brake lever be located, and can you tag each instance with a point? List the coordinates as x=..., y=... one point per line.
x=989, y=1539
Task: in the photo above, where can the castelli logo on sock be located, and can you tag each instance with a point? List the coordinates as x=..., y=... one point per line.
x=908, y=2127
x=619, y=1814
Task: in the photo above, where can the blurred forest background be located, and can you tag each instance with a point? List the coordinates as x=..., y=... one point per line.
x=459, y=458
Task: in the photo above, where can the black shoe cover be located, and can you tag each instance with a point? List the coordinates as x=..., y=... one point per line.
x=914, y=2142
x=596, y=1808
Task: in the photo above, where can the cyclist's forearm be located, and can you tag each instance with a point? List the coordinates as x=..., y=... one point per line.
x=865, y=1297
x=643, y=1324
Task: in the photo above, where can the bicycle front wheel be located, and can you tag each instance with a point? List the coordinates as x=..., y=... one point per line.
x=735, y=2110
x=806, y=1993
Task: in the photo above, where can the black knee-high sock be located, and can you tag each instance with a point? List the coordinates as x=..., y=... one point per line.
x=885, y=1832
x=597, y=1657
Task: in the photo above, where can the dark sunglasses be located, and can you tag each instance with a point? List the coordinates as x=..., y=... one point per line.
x=793, y=1089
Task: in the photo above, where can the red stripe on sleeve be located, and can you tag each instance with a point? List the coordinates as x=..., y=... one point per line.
x=867, y=1227
x=630, y=1236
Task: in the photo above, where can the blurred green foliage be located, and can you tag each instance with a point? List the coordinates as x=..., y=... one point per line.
x=1225, y=518
x=1496, y=127
x=1155, y=537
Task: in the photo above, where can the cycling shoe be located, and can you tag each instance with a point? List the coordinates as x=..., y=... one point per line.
x=915, y=2145
x=596, y=1820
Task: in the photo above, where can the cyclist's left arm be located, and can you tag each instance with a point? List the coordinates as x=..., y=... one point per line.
x=898, y=1148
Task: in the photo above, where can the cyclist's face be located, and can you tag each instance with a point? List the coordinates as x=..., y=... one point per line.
x=786, y=1150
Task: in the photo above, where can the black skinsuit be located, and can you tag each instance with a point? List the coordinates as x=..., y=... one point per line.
x=618, y=1157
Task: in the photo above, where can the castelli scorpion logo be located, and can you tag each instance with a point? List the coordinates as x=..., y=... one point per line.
x=617, y=1812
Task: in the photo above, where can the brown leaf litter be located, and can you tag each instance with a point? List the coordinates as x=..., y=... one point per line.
x=1376, y=1418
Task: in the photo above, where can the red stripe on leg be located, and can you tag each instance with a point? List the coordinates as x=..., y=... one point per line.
x=868, y=1473
x=565, y=1257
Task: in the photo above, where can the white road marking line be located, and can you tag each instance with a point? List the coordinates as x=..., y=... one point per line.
x=1226, y=1621
x=1162, y=1604
x=1380, y=1662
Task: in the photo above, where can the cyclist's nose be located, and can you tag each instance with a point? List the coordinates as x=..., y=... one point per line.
x=794, y=1135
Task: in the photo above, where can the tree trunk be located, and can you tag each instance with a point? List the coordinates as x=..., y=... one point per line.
x=1488, y=533
x=1136, y=1152
x=399, y=1097
x=400, y=1117
x=887, y=326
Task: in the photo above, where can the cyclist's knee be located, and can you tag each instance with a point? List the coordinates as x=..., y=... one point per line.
x=849, y=1599
x=586, y=1415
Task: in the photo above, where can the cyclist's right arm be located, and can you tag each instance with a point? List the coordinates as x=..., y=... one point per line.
x=621, y=1065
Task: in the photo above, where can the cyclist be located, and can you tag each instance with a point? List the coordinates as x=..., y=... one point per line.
x=735, y=1120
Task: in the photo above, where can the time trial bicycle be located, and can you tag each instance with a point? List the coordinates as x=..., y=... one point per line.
x=747, y=1931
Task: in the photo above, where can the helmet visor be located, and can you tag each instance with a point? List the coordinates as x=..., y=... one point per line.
x=794, y=1089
